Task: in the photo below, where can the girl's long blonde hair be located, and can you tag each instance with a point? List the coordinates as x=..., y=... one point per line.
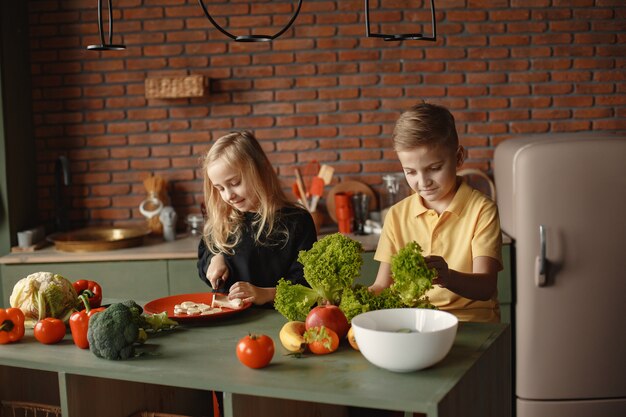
x=224, y=224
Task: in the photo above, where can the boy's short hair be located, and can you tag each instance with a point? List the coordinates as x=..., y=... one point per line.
x=425, y=124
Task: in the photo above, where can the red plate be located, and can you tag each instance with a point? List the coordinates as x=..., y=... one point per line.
x=168, y=303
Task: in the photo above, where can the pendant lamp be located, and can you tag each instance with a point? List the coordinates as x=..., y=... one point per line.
x=105, y=46
x=403, y=36
x=250, y=38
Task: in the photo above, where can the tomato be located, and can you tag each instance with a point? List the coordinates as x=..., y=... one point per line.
x=255, y=351
x=321, y=340
x=49, y=330
x=329, y=316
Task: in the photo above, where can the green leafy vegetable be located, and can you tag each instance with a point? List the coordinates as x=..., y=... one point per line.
x=411, y=277
x=330, y=267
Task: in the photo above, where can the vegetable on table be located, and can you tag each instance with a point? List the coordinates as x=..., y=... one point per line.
x=113, y=332
x=11, y=325
x=321, y=340
x=49, y=330
x=330, y=267
x=92, y=289
x=59, y=297
x=255, y=351
x=79, y=322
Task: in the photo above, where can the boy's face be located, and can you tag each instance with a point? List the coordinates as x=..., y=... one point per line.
x=229, y=183
x=431, y=172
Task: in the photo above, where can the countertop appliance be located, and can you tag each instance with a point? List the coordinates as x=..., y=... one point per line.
x=562, y=199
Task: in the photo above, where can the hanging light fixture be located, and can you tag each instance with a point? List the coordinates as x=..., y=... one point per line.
x=404, y=36
x=251, y=38
x=105, y=46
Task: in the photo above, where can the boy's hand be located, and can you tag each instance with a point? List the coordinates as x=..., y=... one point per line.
x=217, y=272
x=441, y=266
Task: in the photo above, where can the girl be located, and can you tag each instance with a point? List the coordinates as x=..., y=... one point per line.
x=253, y=233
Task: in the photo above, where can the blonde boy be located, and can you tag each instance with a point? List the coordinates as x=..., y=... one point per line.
x=457, y=227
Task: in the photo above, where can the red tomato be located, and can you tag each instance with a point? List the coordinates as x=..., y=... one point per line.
x=321, y=340
x=255, y=351
x=49, y=330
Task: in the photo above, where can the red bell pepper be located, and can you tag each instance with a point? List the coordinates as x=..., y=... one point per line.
x=11, y=325
x=79, y=323
x=92, y=289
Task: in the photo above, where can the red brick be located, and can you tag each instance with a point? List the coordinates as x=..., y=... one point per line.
x=317, y=132
x=110, y=214
x=338, y=118
x=252, y=96
x=252, y=122
x=84, y=129
x=130, y=152
x=296, y=120
x=341, y=68
x=360, y=130
x=296, y=145
x=381, y=92
x=147, y=114
x=295, y=95
x=316, y=107
x=337, y=143
x=284, y=70
x=359, y=105
x=101, y=116
x=338, y=94
x=551, y=114
x=530, y=127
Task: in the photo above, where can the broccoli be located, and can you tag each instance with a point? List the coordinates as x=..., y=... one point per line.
x=113, y=332
x=330, y=267
x=411, y=277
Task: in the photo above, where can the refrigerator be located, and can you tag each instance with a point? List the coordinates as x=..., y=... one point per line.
x=562, y=200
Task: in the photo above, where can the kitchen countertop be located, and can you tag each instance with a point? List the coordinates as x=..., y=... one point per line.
x=184, y=247
x=473, y=379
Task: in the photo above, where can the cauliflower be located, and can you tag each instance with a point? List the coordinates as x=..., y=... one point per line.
x=56, y=294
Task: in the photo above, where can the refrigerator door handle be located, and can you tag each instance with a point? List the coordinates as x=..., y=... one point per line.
x=541, y=263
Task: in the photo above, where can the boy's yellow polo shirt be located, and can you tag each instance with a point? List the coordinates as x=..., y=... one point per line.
x=468, y=228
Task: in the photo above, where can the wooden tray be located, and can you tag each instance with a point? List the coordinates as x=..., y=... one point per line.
x=93, y=239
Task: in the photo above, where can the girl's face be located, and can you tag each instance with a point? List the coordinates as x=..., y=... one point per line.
x=431, y=172
x=231, y=186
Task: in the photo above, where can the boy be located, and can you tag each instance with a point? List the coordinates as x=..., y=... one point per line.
x=457, y=227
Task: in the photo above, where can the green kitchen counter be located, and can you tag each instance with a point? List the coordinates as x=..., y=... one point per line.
x=181, y=368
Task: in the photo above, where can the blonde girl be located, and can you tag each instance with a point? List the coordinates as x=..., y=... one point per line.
x=252, y=232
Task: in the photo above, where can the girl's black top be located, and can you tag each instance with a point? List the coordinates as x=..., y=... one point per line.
x=264, y=265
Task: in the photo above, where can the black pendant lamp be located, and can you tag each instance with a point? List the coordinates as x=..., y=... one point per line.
x=251, y=38
x=105, y=46
x=403, y=36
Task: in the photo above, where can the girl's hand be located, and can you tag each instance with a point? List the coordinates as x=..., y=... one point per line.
x=441, y=266
x=251, y=293
x=217, y=272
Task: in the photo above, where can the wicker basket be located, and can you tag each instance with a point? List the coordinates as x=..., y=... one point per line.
x=28, y=409
x=175, y=87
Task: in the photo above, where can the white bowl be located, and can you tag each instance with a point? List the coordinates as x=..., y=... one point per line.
x=405, y=339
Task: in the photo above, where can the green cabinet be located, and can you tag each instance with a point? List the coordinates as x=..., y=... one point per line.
x=140, y=280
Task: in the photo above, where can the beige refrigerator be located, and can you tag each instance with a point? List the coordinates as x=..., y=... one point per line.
x=562, y=199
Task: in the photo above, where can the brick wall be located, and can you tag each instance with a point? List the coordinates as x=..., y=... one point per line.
x=322, y=91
